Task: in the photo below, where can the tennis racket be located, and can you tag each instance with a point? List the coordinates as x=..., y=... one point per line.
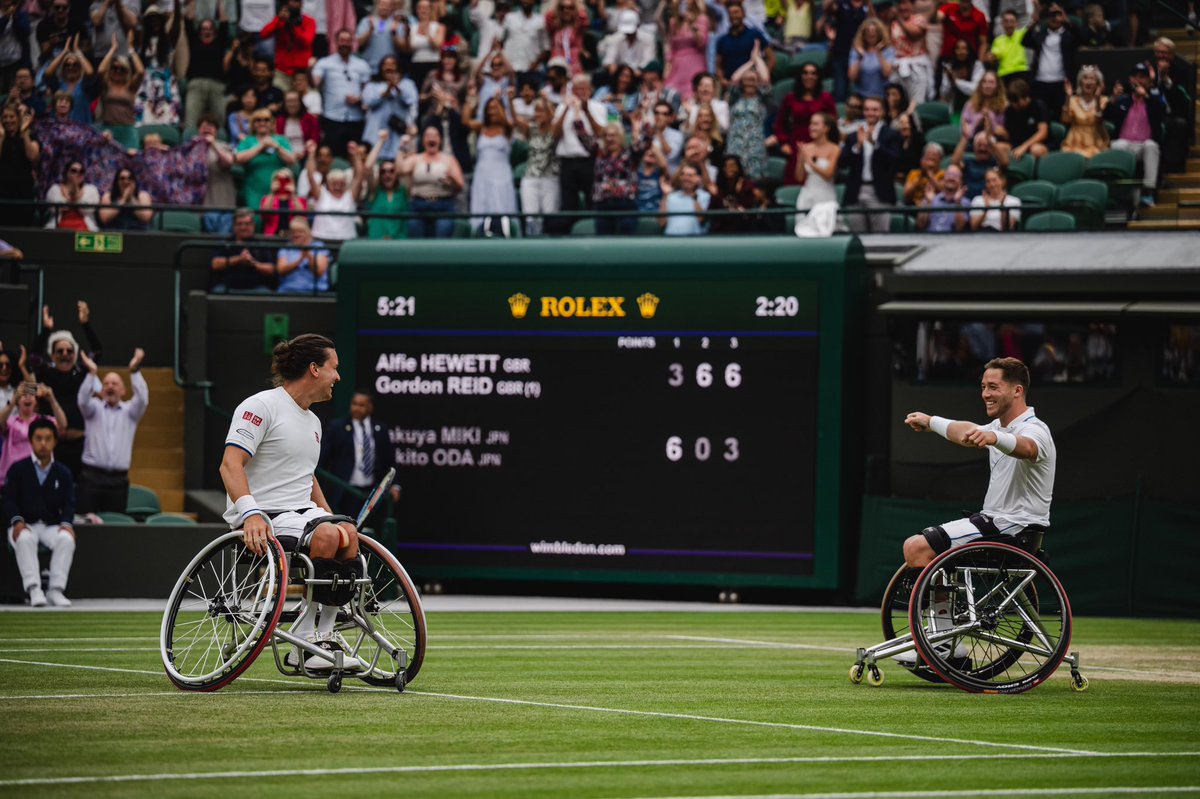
x=374, y=497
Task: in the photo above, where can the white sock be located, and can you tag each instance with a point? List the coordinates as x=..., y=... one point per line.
x=303, y=626
x=941, y=617
x=328, y=619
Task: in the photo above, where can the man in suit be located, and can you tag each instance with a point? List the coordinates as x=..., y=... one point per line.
x=873, y=156
x=39, y=504
x=357, y=449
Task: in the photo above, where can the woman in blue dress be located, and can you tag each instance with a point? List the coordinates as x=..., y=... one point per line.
x=493, y=195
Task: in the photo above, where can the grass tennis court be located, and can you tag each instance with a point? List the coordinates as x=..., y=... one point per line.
x=596, y=704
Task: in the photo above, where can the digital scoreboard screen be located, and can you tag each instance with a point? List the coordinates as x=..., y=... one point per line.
x=584, y=410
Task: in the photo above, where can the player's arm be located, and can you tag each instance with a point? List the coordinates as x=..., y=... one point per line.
x=253, y=521
x=971, y=436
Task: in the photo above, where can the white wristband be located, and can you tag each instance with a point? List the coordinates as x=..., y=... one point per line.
x=939, y=425
x=1005, y=442
x=245, y=506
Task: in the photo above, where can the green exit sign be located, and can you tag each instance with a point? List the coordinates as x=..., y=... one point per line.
x=100, y=242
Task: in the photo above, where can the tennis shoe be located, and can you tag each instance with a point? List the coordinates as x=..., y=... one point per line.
x=57, y=598
x=37, y=599
x=332, y=644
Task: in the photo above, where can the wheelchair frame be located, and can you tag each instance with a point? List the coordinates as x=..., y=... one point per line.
x=1001, y=599
x=230, y=603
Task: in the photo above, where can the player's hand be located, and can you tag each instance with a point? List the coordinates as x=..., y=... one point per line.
x=979, y=438
x=395, y=492
x=255, y=533
x=918, y=421
x=17, y=529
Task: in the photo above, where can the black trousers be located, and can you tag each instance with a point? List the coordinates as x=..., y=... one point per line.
x=339, y=134
x=102, y=490
x=575, y=177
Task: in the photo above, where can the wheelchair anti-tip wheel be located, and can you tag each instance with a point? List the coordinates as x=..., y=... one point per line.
x=221, y=613
x=391, y=608
x=1003, y=606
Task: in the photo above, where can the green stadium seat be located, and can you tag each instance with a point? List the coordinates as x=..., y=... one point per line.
x=903, y=223
x=785, y=196
x=783, y=66
x=1060, y=167
x=169, y=133
x=1050, y=220
x=169, y=518
x=142, y=502
x=113, y=517
x=648, y=226
x=776, y=170
x=1111, y=165
x=462, y=229
x=1086, y=199
x=781, y=89
x=124, y=135
x=180, y=221
x=341, y=163
x=814, y=56
x=584, y=227
x=1058, y=132
x=1039, y=193
x=519, y=153
x=945, y=135
x=1021, y=169
x=933, y=115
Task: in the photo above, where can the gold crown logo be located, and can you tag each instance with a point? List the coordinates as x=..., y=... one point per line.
x=648, y=305
x=519, y=304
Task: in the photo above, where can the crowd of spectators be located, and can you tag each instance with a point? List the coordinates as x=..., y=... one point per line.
x=315, y=111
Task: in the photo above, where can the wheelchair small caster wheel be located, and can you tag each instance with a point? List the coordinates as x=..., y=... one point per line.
x=856, y=673
x=401, y=681
x=334, y=683
x=1079, y=683
x=874, y=677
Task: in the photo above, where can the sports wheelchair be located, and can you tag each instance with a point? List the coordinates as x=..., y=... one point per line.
x=988, y=617
x=230, y=603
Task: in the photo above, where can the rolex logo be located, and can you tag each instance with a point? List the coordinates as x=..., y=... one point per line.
x=519, y=304
x=648, y=305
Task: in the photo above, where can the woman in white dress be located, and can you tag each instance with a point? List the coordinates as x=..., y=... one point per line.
x=816, y=167
x=493, y=195
x=817, y=163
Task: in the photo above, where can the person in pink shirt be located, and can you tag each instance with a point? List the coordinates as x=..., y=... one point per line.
x=15, y=418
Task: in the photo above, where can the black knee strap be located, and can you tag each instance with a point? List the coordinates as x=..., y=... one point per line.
x=341, y=574
x=938, y=538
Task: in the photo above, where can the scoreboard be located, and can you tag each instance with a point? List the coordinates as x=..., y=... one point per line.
x=622, y=410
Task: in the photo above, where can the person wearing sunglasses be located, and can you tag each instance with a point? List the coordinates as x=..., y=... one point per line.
x=71, y=73
x=62, y=373
x=73, y=201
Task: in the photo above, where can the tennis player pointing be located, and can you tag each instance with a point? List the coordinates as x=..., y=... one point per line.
x=1021, y=455
x=270, y=455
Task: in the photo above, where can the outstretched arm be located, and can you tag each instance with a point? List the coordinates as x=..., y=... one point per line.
x=971, y=436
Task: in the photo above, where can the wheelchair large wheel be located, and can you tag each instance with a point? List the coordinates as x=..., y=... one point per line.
x=221, y=613
x=1006, y=608
x=392, y=610
x=894, y=613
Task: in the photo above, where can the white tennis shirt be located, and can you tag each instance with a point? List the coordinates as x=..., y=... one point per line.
x=284, y=442
x=1019, y=491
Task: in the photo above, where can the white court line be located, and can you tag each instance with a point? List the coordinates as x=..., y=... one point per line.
x=751, y=642
x=752, y=723
x=73, y=649
x=620, y=711
x=587, y=764
x=1015, y=791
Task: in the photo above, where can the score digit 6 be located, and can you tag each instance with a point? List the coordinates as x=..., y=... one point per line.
x=702, y=449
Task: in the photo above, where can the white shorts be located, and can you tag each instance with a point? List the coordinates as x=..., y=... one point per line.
x=292, y=523
x=963, y=531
